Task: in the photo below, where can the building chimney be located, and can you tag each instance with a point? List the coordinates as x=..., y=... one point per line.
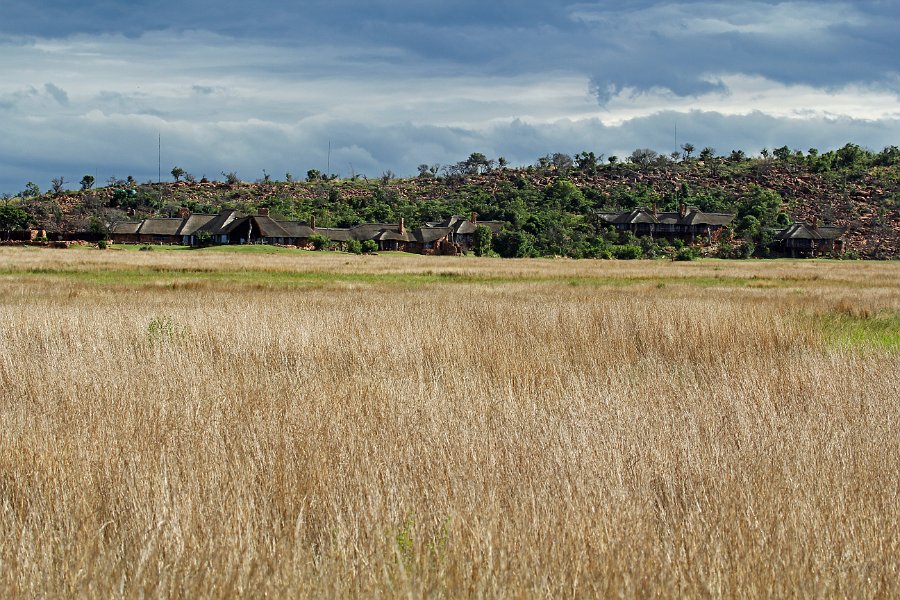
x=814, y=222
x=184, y=212
x=264, y=211
x=474, y=218
x=402, y=225
x=655, y=209
x=312, y=221
x=682, y=210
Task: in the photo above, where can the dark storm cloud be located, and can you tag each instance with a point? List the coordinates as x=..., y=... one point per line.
x=233, y=85
x=642, y=45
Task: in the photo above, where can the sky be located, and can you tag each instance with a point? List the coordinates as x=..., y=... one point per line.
x=112, y=88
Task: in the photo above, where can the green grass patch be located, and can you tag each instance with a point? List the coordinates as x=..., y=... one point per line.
x=192, y=277
x=143, y=247
x=161, y=277
x=881, y=330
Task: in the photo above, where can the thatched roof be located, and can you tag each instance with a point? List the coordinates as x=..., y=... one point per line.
x=125, y=227
x=334, y=234
x=429, y=235
x=692, y=216
x=223, y=222
x=297, y=229
x=268, y=227
x=160, y=226
x=194, y=222
x=806, y=231
x=464, y=226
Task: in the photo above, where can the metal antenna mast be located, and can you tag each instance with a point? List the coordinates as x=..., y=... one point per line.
x=159, y=166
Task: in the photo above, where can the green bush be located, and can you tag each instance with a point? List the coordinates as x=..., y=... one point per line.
x=101, y=244
x=626, y=251
x=686, y=253
x=482, y=241
x=515, y=244
x=725, y=250
x=202, y=239
x=319, y=242
x=369, y=246
x=354, y=247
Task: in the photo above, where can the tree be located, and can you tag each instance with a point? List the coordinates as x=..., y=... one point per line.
x=31, y=190
x=586, y=162
x=643, y=156
x=57, y=184
x=564, y=195
x=87, y=182
x=561, y=162
x=13, y=218
x=481, y=243
x=231, y=178
x=850, y=155
x=98, y=228
x=424, y=171
x=707, y=153
x=782, y=153
x=477, y=163
x=177, y=173
x=543, y=163
x=887, y=157
x=688, y=149
x=515, y=244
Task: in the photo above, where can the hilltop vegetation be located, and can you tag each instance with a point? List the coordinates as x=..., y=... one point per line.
x=549, y=206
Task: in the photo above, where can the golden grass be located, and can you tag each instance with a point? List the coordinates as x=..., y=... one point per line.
x=518, y=429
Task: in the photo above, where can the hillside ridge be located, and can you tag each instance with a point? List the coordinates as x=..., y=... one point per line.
x=860, y=197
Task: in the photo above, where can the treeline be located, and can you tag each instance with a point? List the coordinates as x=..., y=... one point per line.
x=549, y=207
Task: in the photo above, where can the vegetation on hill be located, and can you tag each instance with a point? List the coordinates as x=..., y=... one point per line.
x=549, y=206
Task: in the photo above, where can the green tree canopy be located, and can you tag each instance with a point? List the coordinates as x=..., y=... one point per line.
x=13, y=218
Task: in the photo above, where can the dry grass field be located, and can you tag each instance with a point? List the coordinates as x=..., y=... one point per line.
x=209, y=424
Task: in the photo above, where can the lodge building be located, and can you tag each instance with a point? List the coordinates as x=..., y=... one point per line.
x=451, y=236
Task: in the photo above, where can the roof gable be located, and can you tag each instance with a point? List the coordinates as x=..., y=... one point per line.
x=160, y=226
x=126, y=227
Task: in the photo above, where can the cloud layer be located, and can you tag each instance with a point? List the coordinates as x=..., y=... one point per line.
x=388, y=85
